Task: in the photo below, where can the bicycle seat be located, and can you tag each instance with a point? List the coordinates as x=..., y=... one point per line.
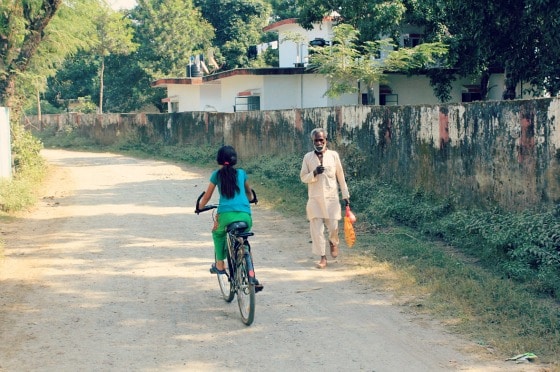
x=239, y=226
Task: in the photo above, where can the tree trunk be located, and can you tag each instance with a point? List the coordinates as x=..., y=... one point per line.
x=39, y=119
x=101, y=73
x=484, y=79
x=7, y=90
x=510, y=83
x=370, y=96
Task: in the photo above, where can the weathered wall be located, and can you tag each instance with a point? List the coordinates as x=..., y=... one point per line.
x=485, y=154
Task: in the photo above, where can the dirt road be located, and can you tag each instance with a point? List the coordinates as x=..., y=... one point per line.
x=110, y=273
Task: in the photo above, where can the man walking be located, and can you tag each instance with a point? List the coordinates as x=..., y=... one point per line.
x=322, y=171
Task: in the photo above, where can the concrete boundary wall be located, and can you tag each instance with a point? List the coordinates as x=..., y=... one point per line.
x=502, y=153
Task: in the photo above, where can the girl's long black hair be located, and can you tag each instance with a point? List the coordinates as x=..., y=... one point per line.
x=227, y=175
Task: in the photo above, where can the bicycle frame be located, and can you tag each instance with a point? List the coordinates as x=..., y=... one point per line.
x=240, y=272
x=239, y=247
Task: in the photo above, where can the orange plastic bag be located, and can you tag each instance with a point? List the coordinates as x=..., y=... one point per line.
x=349, y=234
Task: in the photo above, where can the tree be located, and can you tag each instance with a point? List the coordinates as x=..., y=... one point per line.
x=28, y=52
x=28, y=61
x=168, y=34
x=76, y=78
x=114, y=36
x=283, y=9
x=339, y=62
x=238, y=26
x=22, y=28
x=374, y=19
x=124, y=96
x=539, y=61
x=346, y=62
x=70, y=30
x=520, y=37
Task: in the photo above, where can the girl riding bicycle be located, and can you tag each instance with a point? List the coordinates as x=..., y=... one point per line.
x=235, y=194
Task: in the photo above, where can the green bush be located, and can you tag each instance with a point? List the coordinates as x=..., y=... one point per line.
x=524, y=247
x=28, y=171
x=25, y=151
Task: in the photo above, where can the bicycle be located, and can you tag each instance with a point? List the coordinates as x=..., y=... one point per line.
x=239, y=277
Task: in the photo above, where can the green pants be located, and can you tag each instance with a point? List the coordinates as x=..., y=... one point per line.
x=219, y=230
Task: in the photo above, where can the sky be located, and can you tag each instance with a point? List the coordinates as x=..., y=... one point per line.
x=122, y=4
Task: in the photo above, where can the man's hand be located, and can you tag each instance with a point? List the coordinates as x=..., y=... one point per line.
x=320, y=169
x=346, y=202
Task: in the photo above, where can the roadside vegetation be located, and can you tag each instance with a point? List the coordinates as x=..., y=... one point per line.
x=465, y=267
x=29, y=169
x=28, y=172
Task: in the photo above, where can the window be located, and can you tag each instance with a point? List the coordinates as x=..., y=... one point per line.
x=247, y=103
x=388, y=99
x=412, y=40
x=471, y=93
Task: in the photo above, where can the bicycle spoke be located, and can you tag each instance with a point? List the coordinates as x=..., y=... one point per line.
x=226, y=286
x=245, y=293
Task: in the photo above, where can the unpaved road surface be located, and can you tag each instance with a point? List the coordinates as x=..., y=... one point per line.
x=110, y=273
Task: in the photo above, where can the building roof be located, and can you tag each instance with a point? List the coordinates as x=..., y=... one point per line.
x=294, y=21
x=276, y=25
x=162, y=83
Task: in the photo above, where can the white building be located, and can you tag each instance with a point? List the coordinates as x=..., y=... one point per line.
x=290, y=86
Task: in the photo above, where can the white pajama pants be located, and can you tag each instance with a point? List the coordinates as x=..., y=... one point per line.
x=317, y=229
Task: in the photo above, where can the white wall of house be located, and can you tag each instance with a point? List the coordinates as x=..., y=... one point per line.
x=279, y=92
x=412, y=90
x=288, y=50
x=188, y=96
x=315, y=87
x=344, y=100
x=282, y=92
x=416, y=90
x=293, y=91
x=231, y=86
x=211, y=97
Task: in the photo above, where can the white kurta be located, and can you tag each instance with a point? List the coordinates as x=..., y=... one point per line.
x=323, y=201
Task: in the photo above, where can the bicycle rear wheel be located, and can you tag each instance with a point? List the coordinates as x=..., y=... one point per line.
x=245, y=293
x=226, y=286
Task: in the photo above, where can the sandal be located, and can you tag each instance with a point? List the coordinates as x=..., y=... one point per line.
x=215, y=270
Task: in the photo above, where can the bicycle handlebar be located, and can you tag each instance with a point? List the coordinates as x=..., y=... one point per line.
x=214, y=206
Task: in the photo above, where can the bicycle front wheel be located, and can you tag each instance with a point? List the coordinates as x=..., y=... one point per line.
x=245, y=293
x=226, y=286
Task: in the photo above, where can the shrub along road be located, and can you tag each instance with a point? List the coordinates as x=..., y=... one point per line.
x=110, y=272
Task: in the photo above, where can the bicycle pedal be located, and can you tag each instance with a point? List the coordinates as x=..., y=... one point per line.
x=258, y=288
